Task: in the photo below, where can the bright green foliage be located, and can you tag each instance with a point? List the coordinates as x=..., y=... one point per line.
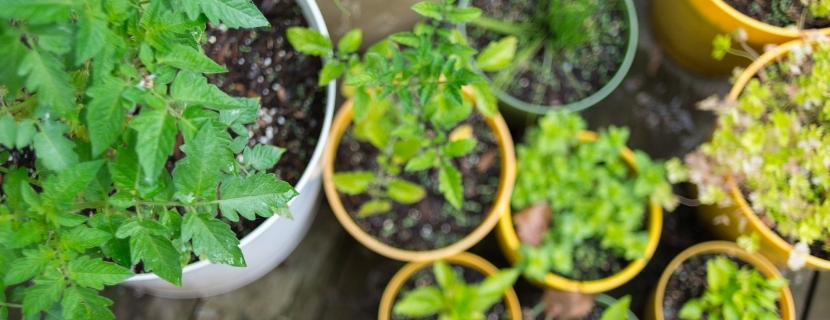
x=407, y=99
x=99, y=90
x=618, y=310
x=820, y=8
x=453, y=299
x=721, y=45
x=734, y=293
x=593, y=194
x=773, y=142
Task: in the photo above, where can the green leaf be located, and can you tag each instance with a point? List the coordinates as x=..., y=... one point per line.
x=96, y=273
x=462, y=15
x=422, y=161
x=444, y=275
x=122, y=199
x=42, y=295
x=53, y=148
x=105, y=114
x=691, y=310
x=156, y=137
x=717, y=273
x=197, y=175
x=46, y=77
x=8, y=132
x=361, y=79
x=212, y=238
x=421, y=302
x=492, y=289
x=68, y=219
x=375, y=206
x=38, y=11
x=405, y=192
x=25, y=133
x=353, y=183
x=332, y=70
x=406, y=38
x=262, y=157
x=83, y=237
x=497, y=54
x=188, y=58
x=85, y=303
x=233, y=13
x=486, y=101
x=33, y=263
x=309, y=41
x=449, y=183
x=158, y=255
x=258, y=194
x=13, y=54
x=406, y=149
x=30, y=233
x=117, y=249
x=350, y=41
x=618, y=310
x=459, y=147
x=428, y=9
x=91, y=35
x=125, y=170
x=192, y=88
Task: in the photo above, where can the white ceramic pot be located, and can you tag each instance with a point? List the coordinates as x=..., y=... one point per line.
x=274, y=239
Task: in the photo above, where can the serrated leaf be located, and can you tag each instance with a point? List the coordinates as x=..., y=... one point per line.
x=428, y=9
x=30, y=233
x=91, y=35
x=258, y=194
x=38, y=11
x=192, y=88
x=262, y=157
x=13, y=54
x=240, y=116
x=406, y=38
x=485, y=100
x=33, y=263
x=85, y=303
x=115, y=248
x=156, y=137
x=361, y=79
x=105, y=114
x=459, y=148
x=497, y=54
x=96, y=273
x=8, y=132
x=353, y=183
x=309, y=41
x=372, y=207
x=420, y=302
x=68, y=219
x=46, y=77
x=42, y=295
x=197, y=175
x=158, y=255
x=125, y=170
x=233, y=13
x=83, y=237
x=462, y=15
x=188, y=58
x=25, y=133
x=449, y=183
x=405, y=192
x=422, y=161
x=212, y=238
x=332, y=70
x=53, y=148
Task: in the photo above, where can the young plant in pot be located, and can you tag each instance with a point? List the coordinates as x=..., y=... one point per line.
x=571, y=53
x=421, y=164
x=588, y=209
x=94, y=98
x=719, y=280
x=556, y=304
x=764, y=172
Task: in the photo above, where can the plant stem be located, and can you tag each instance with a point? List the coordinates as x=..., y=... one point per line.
x=30, y=180
x=13, y=305
x=503, y=27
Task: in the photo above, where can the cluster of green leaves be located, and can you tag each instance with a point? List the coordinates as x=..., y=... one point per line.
x=592, y=192
x=98, y=91
x=407, y=93
x=734, y=293
x=453, y=299
x=773, y=141
x=618, y=310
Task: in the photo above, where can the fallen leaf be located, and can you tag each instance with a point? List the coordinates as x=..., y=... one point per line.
x=564, y=305
x=532, y=223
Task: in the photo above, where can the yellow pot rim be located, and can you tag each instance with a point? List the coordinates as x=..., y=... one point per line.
x=734, y=191
x=510, y=244
x=501, y=204
x=758, y=261
x=465, y=259
x=709, y=5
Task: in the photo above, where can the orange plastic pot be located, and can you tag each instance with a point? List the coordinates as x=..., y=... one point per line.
x=685, y=29
x=501, y=205
x=509, y=243
x=654, y=309
x=469, y=260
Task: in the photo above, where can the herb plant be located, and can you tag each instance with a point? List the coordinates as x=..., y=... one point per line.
x=94, y=96
x=598, y=204
x=734, y=293
x=453, y=299
x=407, y=93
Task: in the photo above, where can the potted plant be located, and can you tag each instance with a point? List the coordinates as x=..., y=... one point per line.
x=588, y=209
x=94, y=97
x=556, y=304
x=571, y=53
x=415, y=291
x=294, y=113
x=685, y=29
x=774, y=121
x=718, y=279
x=413, y=171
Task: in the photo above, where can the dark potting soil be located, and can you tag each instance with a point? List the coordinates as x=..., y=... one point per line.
x=425, y=277
x=592, y=262
x=687, y=282
x=431, y=223
x=572, y=75
x=780, y=13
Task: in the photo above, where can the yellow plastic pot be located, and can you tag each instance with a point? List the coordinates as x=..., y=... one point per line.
x=685, y=29
x=465, y=259
x=509, y=243
x=742, y=220
x=501, y=204
x=654, y=309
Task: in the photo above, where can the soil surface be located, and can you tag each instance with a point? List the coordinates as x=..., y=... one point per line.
x=574, y=74
x=433, y=222
x=425, y=277
x=687, y=282
x=780, y=13
x=592, y=262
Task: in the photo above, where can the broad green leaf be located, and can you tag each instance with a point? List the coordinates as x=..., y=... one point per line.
x=105, y=114
x=233, y=13
x=309, y=41
x=156, y=137
x=406, y=149
x=12, y=187
x=406, y=38
x=100, y=187
x=13, y=54
x=242, y=116
x=38, y=11
x=422, y=161
x=361, y=79
x=618, y=310
x=691, y=310
x=444, y=275
x=405, y=192
x=91, y=35
x=96, y=273
x=350, y=41
x=42, y=295
x=372, y=207
x=68, y=219
x=125, y=170
x=158, y=255
x=332, y=70
x=191, y=88
x=122, y=199
x=115, y=248
x=353, y=183
x=83, y=237
x=362, y=99
x=492, y=289
x=449, y=183
x=428, y=9
x=212, y=238
x=421, y=302
x=459, y=148
x=258, y=194
x=717, y=274
x=8, y=132
x=262, y=157
x=462, y=15
x=485, y=100
x=53, y=148
x=30, y=233
x=197, y=175
x=163, y=27
x=46, y=77
x=33, y=263
x=497, y=54
x=25, y=133
x=188, y=58
x=85, y=303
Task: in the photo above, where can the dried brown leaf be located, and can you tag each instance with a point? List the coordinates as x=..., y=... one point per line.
x=532, y=223
x=566, y=305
